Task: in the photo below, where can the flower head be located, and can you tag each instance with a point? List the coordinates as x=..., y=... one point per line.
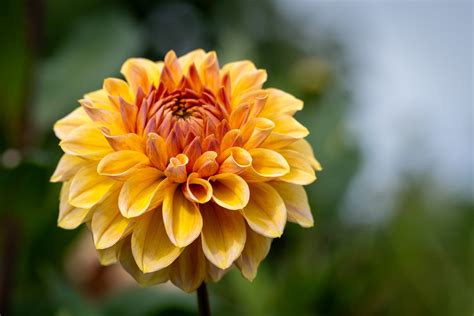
x=184, y=168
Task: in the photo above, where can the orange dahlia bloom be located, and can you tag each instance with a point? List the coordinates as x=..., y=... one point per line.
x=185, y=168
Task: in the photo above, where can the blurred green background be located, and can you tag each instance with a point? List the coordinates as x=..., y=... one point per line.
x=388, y=100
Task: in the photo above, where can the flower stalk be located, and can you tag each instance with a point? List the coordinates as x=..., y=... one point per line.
x=203, y=300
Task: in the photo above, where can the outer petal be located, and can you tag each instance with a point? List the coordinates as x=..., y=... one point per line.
x=256, y=249
x=73, y=120
x=301, y=171
x=266, y=212
x=140, y=72
x=151, y=246
x=86, y=141
x=296, y=202
x=303, y=147
x=279, y=102
x=287, y=130
x=145, y=279
x=120, y=164
x=189, y=270
x=88, y=188
x=229, y=191
x=142, y=192
x=223, y=235
x=108, y=225
x=110, y=255
x=183, y=221
x=70, y=217
x=67, y=167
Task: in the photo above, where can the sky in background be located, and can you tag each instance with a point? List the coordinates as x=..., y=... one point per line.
x=411, y=80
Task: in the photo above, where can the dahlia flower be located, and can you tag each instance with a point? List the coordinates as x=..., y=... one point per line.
x=184, y=168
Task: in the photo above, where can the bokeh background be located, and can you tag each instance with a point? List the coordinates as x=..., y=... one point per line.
x=388, y=98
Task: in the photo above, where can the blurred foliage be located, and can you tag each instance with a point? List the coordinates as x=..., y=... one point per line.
x=419, y=262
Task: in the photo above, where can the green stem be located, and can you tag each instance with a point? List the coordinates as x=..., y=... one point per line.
x=203, y=300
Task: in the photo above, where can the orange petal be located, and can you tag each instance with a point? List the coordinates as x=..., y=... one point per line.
x=151, y=247
x=266, y=212
x=89, y=188
x=156, y=150
x=301, y=171
x=67, y=167
x=70, y=217
x=229, y=191
x=183, y=221
x=142, y=192
x=256, y=249
x=145, y=279
x=296, y=202
x=176, y=169
x=197, y=190
x=108, y=225
x=223, y=235
x=189, y=270
x=121, y=164
x=206, y=164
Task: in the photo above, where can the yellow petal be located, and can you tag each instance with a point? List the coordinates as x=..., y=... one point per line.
x=238, y=160
x=206, y=164
x=229, y=191
x=145, y=279
x=303, y=147
x=266, y=164
x=183, y=221
x=197, y=189
x=121, y=164
x=100, y=96
x=70, y=217
x=68, y=166
x=142, y=192
x=287, y=130
x=255, y=250
x=189, y=270
x=118, y=88
x=110, y=255
x=86, y=141
x=296, y=202
x=140, y=73
x=266, y=212
x=279, y=102
x=223, y=235
x=151, y=246
x=108, y=225
x=258, y=130
x=196, y=56
x=129, y=141
x=70, y=122
x=301, y=171
x=88, y=188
